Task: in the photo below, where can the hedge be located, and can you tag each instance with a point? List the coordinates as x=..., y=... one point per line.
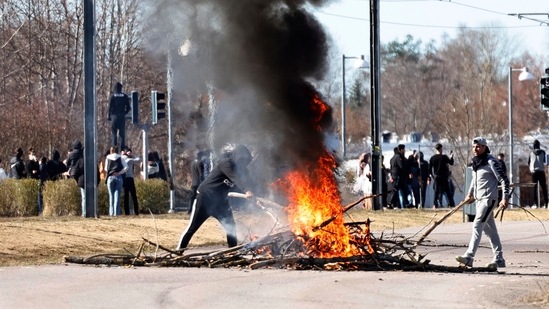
x=62, y=197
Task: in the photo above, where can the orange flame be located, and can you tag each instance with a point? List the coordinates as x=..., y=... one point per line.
x=313, y=199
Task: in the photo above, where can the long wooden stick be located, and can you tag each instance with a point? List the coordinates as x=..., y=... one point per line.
x=439, y=221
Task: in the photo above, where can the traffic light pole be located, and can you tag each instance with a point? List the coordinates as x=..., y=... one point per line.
x=169, y=79
x=145, y=131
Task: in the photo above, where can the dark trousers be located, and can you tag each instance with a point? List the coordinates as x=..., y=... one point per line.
x=442, y=186
x=210, y=206
x=118, y=129
x=538, y=177
x=423, y=189
x=129, y=189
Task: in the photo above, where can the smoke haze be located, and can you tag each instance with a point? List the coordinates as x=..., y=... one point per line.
x=259, y=57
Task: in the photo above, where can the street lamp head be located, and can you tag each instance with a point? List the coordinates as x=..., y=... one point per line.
x=362, y=63
x=525, y=75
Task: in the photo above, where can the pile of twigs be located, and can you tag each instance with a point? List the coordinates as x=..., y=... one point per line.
x=284, y=249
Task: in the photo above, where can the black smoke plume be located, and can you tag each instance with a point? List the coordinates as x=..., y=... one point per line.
x=260, y=58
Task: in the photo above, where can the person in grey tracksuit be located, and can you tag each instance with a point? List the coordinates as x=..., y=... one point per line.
x=487, y=176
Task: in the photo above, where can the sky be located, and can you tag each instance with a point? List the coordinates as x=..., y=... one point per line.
x=348, y=21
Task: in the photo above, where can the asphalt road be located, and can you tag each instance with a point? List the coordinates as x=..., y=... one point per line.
x=526, y=247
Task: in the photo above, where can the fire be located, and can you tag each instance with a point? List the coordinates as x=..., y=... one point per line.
x=314, y=198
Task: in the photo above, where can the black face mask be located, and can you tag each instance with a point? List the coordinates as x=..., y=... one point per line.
x=479, y=161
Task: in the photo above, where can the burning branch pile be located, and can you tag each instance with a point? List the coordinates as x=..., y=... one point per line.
x=284, y=249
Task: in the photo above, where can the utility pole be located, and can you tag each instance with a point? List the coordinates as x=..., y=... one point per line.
x=90, y=111
x=375, y=85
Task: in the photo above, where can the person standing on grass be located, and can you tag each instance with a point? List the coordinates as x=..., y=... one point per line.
x=536, y=163
x=43, y=177
x=487, y=176
x=75, y=169
x=439, y=167
x=115, y=166
x=17, y=166
x=399, y=176
x=129, y=182
x=55, y=167
x=425, y=177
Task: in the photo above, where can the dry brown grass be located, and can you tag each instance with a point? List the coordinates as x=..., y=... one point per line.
x=39, y=240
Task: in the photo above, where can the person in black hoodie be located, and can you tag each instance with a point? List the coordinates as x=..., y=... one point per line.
x=55, y=167
x=536, y=163
x=17, y=166
x=230, y=174
x=75, y=166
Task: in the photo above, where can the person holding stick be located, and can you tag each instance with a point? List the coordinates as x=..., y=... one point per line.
x=487, y=176
x=230, y=174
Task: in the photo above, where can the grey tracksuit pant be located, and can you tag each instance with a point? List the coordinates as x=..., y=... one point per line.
x=484, y=221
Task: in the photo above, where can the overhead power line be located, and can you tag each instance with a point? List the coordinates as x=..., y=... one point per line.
x=520, y=16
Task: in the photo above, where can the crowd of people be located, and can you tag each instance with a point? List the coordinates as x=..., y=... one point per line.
x=116, y=169
x=407, y=178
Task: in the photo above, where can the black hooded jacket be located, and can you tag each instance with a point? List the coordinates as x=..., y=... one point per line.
x=230, y=174
x=77, y=152
x=55, y=167
x=17, y=167
x=119, y=104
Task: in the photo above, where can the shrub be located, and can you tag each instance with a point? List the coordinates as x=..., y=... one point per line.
x=8, y=204
x=153, y=195
x=18, y=197
x=61, y=198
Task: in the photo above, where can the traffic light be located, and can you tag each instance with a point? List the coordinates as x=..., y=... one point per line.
x=158, y=101
x=544, y=90
x=135, y=107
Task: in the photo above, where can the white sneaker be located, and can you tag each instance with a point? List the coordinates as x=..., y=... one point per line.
x=465, y=260
x=496, y=264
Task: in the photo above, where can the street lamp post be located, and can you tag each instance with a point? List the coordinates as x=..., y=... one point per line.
x=524, y=75
x=363, y=64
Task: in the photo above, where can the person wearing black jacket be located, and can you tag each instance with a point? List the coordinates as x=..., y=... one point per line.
x=440, y=172
x=55, y=168
x=75, y=169
x=536, y=163
x=230, y=174
x=17, y=166
x=32, y=167
x=399, y=176
x=119, y=106
x=424, y=177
